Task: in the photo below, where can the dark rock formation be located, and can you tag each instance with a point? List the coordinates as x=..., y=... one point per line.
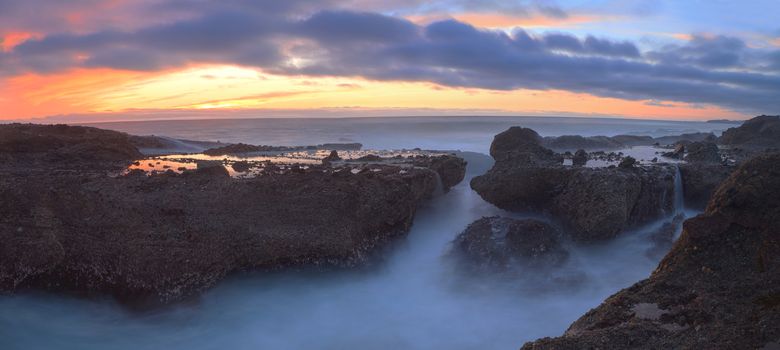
x=574, y=142
x=700, y=180
x=332, y=157
x=496, y=244
x=580, y=158
x=369, y=158
x=678, y=153
x=627, y=163
x=704, y=152
x=241, y=166
x=239, y=148
x=30, y=143
x=762, y=132
x=68, y=226
x=451, y=169
x=719, y=287
x=593, y=203
x=686, y=138
x=633, y=140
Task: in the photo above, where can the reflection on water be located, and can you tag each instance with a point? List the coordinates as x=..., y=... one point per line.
x=259, y=163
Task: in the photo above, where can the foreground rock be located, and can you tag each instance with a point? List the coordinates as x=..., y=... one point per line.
x=592, y=203
x=496, y=244
x=719, y=287
x=68, y=226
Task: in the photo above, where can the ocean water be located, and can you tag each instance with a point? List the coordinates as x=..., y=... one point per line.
x=415, y=299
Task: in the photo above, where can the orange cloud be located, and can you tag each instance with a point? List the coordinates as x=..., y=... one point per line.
x=9, y=40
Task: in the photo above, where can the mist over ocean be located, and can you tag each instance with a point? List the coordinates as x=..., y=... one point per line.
x=413, y=299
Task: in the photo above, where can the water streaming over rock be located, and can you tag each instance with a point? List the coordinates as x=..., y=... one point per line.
x=679, y=199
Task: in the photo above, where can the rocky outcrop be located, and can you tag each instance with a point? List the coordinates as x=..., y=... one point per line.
x=49, y=144
x=718, y=288
x=496, y=244
x=66, y=226
x=700, y=180
x=762, y=131
x=592, y=203
x=686, y=138
x=703, y=152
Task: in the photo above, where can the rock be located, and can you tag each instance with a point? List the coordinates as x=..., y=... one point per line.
x=718, y=288
x=580, y=158
x=700, y=180
x=627, y=163
x=161, y=238
x=686, y=138
x=592, y=203
x=574, y=142
x=706, y=152
x=633, y=140
x=332, y=157
x=241, y=166
x=451, y=169
x=65, y=144
x=369, y=158
x=496, y=244
x=761, y=131
x=238, y=148
x=678, y=153
x=522, y=145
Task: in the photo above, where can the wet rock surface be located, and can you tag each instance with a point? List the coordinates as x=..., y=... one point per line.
x=719, y=287
x=68, y=226
x=496, y=244
x=592, y=203
x=755, y=136
x=700, y=180
x=703, y=152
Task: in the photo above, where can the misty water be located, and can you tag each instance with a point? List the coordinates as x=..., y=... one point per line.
x=414, y=299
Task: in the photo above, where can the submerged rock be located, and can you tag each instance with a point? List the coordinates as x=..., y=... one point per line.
x=496, y=244
x=719, y=287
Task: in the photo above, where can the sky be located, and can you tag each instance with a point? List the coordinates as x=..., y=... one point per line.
x=152, y=59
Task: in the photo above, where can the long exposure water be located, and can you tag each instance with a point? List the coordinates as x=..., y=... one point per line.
x=414, y=299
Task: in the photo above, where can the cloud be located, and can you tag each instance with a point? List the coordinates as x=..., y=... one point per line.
x=298, y=38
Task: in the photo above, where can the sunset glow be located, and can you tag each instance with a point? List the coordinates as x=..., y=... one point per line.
x=117, y=56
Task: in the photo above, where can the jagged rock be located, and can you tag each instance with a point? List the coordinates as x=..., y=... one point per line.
x=706, y=152
x=719, y=287
x=496, y=244
x=580, y=158
x=593, y=203
x=332, y=157
x=686, y=138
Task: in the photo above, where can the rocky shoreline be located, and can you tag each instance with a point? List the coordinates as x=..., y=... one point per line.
x=85, y=211
x=69, y=226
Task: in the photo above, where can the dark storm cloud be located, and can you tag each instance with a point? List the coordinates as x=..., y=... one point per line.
x=295, y=39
